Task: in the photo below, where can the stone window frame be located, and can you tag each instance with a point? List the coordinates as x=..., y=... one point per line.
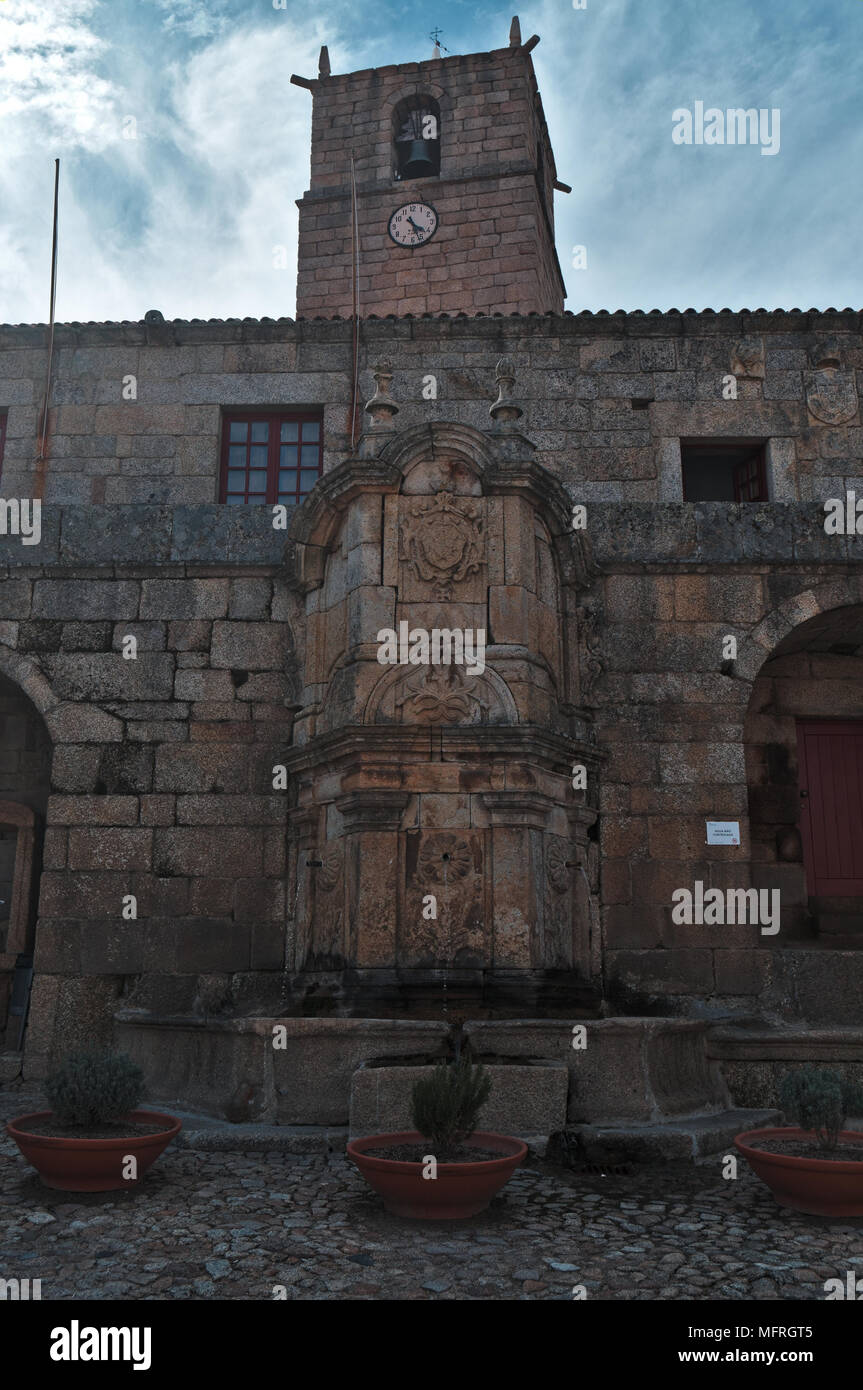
x=756, y=451
x=780, y=467
x=274, y=416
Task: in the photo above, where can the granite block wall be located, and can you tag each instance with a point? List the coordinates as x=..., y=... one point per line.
x=161, y=771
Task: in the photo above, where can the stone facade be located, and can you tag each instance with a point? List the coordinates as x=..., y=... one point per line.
x=162, y=766
x=182, y=881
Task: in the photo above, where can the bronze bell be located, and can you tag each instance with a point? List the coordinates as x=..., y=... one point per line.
x=419, y=162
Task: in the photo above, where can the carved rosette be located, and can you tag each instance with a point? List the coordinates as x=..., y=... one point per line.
x=444, y=858
x=556, y=865
x=442, y=541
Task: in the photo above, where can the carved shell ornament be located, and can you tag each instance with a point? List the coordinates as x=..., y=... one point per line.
x=441, y=696
x=442, y=542
x=444, y=859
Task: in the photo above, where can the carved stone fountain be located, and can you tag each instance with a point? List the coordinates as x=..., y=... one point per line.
x=406, y=776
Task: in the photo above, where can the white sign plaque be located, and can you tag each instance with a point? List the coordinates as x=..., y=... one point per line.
x=723, y=832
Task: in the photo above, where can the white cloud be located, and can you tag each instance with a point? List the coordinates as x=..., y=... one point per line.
x=185, y=217
x=200, y=19
x=49, y=89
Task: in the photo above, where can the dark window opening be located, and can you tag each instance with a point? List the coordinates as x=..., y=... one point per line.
x=2, y=439
x=275, y=456
x=416, y=138
x=724, y=470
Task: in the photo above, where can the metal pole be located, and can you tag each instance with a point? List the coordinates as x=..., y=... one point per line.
x=44, y=425
x=355, y=277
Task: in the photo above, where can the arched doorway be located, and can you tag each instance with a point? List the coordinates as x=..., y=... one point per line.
x=25, y=773
x=804, y=758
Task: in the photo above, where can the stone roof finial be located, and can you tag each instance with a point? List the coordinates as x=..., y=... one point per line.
x=515, y=33
x=324, y=62
x=382, y=408
x=505, y=410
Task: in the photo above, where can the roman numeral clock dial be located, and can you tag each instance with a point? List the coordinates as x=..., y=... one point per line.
x=413, y=224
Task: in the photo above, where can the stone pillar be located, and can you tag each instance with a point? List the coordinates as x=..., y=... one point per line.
x=371, y=823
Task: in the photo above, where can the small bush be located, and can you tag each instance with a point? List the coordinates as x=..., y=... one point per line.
x=445, y=1106
x=819, y=1099
x=94, y=1088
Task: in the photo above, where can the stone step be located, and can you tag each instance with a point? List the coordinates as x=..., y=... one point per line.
x=204, y=1134
x=686, y=1138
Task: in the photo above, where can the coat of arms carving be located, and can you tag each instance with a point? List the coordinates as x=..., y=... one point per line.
x=831, y=395
x=442, y=541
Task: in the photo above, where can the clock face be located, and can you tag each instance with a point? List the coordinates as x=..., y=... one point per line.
x=413, y=224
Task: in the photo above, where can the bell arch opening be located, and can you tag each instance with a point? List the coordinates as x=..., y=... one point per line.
x=416, y=137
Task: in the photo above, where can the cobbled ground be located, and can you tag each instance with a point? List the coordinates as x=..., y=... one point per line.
x=238, y=1226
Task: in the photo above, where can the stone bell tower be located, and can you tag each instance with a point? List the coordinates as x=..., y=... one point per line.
x=432, y=190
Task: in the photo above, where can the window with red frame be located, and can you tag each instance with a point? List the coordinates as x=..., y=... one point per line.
x=2, y=439
x=270, y=456
x=724, y=470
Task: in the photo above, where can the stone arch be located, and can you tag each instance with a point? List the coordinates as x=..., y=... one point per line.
x=25, y=782
x=804, y=663
x=412, y=89
x=776, y=625
x=441, y=439
x=67, y=721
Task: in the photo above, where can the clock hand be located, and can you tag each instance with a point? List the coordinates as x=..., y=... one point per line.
x=415, y=225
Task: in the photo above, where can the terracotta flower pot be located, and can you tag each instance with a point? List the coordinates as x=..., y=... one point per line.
x=820, y=1186
x=459, y=1190
x=91, y=1165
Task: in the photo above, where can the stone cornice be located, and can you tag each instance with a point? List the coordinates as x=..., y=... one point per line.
x=386, y=747
x=586, y=326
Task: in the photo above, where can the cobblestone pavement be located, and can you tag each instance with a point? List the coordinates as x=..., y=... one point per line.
x=234, y=1225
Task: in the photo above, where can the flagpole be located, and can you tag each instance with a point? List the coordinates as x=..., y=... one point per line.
x=43, y=430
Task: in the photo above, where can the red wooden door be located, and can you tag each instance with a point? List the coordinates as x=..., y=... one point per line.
x=831, y=805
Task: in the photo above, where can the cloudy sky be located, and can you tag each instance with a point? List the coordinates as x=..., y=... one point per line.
x=184, y=216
